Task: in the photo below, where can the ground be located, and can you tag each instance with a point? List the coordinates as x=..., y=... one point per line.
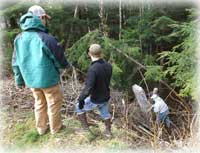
x=19, y=133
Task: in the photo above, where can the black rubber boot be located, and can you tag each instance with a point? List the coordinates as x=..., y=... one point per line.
x=107, y=132
x=84, y=123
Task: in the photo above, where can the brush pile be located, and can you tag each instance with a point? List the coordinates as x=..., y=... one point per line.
x=126, y=113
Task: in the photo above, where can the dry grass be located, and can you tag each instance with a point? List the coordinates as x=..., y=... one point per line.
x=132, y=128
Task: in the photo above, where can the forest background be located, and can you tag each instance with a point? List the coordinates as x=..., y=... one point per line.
x=147, y=43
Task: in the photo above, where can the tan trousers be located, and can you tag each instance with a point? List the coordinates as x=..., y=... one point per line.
x=48, y=103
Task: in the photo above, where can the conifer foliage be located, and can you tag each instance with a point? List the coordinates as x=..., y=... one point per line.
x=161, y=38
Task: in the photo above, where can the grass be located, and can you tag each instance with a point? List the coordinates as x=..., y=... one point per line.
x=22, y=134
x=19, y=134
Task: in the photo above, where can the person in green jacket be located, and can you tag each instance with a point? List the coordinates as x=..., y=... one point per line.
x=36, y=61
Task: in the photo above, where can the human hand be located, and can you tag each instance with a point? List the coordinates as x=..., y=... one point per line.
x=19, y=87
x=66, y=71
x=81, y=104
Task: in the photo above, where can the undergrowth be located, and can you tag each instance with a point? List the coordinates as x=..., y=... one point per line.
x=22, y=134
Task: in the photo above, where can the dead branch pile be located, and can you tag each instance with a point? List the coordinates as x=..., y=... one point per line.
x=15, y=99
x=128, y=115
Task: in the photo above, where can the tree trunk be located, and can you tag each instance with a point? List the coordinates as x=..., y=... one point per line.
x=4, y=23
x=120, y=19
x=103, y=26
x=88, y=22
x=71, y=27
x=76, y=10
x=140, y=40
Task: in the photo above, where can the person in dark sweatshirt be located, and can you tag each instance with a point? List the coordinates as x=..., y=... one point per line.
x=96, y=93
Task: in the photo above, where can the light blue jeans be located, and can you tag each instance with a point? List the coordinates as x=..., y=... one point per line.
x=164, y=118
x=89, y=105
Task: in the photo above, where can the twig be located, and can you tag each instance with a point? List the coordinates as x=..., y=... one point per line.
x=113, y=112
x=169, y=94
x=143, y=78
x=192, y=124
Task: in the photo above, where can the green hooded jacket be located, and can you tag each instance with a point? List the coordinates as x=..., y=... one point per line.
x=37, y=55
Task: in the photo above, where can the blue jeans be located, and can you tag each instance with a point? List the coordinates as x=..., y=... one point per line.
x=89, y=105
x=164, y=118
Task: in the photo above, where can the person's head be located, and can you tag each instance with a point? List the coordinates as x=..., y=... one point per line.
x=40, y=12
x=155, y=90
x=94, y=51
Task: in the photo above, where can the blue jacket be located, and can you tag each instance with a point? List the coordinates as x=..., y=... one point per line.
x=37, y=55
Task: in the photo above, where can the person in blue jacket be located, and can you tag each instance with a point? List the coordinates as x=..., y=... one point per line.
x=36, y=61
